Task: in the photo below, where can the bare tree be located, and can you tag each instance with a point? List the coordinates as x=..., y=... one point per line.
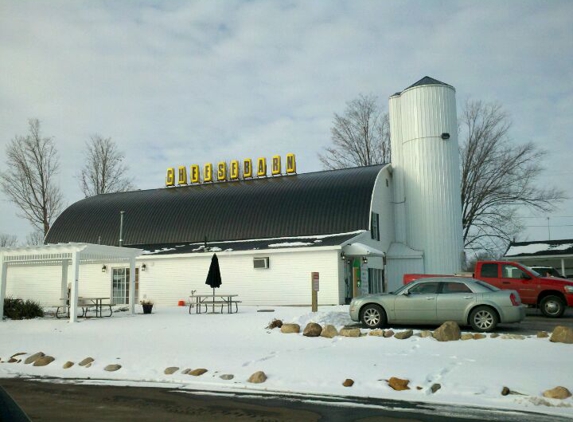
x=498, y=177
x=103, y=171
x=8, y=240
x=35, y=238
x=360, y=137
x=32, y=162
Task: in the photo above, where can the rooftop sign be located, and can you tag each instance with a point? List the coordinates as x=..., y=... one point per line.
x=228, y=172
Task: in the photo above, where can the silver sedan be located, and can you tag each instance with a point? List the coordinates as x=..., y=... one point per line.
x=435, y=300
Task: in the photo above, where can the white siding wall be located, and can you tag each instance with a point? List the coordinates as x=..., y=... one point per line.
x=39, y=283
x=169, y=280
x=286, y=282
x=43, y=283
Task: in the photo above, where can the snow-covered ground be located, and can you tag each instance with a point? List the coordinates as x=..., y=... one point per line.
x=471, y=372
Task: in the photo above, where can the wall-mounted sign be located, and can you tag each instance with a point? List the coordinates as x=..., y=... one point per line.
x=229, y=172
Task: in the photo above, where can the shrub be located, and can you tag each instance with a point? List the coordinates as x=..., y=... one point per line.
x=19, y=309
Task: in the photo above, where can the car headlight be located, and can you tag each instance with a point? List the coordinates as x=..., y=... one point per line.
x=569, y=289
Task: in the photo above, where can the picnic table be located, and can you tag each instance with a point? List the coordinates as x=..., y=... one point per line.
x=87, y=304
x=227, y=301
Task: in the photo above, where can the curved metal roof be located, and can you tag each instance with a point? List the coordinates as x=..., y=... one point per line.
x=327, y=202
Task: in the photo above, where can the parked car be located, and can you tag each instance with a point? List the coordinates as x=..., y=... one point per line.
x=433, y=301
x=550, y=294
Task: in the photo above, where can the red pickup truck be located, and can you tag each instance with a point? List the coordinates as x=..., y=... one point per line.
x=550, y=294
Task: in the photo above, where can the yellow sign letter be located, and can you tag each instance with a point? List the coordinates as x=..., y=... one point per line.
x=247, y=168
x=222, y=171
x=262, y=167
x=290, y=164
x=234, y=170
x=170, y=178
x=208, y=173
x=195, y=174
x=276, y=170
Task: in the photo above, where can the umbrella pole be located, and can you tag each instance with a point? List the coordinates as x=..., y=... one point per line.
x=213, y=309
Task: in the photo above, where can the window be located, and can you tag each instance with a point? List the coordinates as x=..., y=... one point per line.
x=489, y=270
x=375, y=226
x=511, y=271
x=455, y=288
x=424, y=288
x=261, y=262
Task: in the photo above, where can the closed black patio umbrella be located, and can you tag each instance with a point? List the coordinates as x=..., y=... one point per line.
x=214, y=276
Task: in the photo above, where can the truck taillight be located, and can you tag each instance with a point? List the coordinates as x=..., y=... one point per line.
x=514, y=300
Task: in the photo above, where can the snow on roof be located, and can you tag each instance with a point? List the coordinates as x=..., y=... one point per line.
x=550, y=247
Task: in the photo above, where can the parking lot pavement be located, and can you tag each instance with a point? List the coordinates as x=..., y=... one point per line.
x=535, y=321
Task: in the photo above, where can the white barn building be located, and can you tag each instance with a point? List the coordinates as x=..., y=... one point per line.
x=361, y=229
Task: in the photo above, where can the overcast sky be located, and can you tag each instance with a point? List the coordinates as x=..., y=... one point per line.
x=189, y=82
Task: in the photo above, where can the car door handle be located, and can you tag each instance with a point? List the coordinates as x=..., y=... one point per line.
x=468, y=297
x=505, y=282
x=430, y=298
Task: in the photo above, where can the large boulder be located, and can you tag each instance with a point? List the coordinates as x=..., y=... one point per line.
x=290, y=328
x=312, y=329
x=557, y=393
x=258, y=377
x=171, y=370
x=86, y=361
x=562, y=334
x=44, y=360
x=448, y=331
x=34, y=358
x=197, y=372
x=349, y=332
x=403, y=335
x=112, y=367
x=398, y=384
x=329, y=331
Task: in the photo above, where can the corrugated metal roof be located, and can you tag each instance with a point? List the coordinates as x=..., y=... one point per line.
x=327, y=202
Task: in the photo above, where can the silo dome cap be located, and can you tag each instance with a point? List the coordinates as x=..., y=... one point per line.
x=426, y=80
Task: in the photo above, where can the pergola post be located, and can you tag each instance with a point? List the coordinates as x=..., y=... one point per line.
x=132, y=285
x=74, y=294
x=563, y=268
x=3, y=280
x=64, y=286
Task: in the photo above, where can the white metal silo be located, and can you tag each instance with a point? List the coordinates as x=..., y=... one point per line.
x=429, y=167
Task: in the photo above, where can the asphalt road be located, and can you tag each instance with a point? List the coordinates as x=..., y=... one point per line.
x=66, y=402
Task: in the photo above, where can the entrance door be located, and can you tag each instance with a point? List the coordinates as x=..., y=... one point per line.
x=120, y=286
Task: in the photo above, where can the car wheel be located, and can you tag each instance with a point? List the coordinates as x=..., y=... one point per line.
x=483, y=318
x=552, y=306
x=373, y=316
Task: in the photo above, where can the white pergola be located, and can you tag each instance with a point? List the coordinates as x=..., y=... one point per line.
x=67, y=254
